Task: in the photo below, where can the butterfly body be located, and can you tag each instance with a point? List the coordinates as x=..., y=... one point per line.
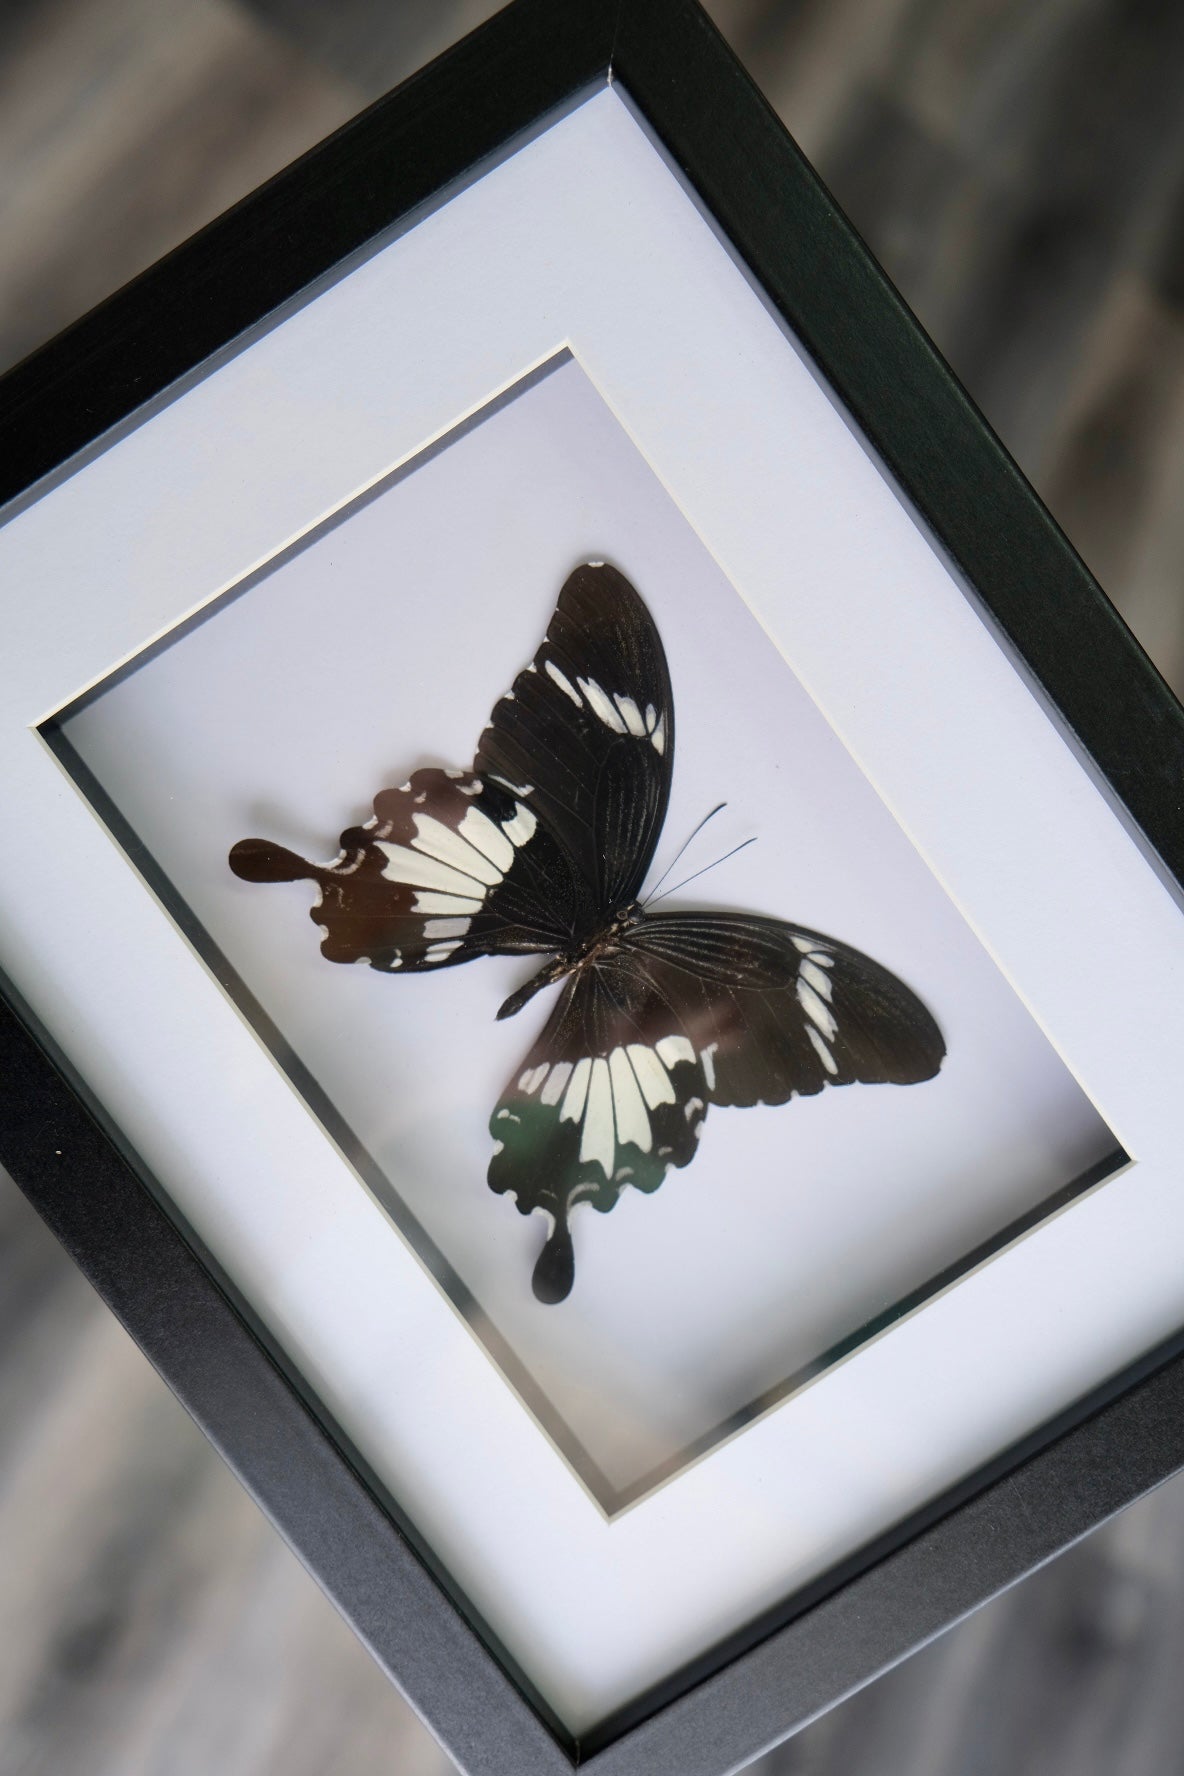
x=542, y=848
x=595, y=949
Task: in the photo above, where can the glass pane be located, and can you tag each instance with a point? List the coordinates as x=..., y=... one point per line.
x=377, y=647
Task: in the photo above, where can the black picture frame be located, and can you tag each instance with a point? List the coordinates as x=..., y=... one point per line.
x=1031, y=1501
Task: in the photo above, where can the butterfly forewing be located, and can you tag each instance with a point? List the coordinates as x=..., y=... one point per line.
x=554, y=825
x=587, y=734
x=780, y=1011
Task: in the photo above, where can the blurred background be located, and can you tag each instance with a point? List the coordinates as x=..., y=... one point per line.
x=1018, y=168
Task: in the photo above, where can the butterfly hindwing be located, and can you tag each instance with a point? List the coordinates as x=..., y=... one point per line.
x=611, y=1094
x=689, y=1010
x=450, y=867
x=587, y=731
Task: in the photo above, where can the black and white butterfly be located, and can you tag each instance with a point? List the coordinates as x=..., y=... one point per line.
x=542, y=848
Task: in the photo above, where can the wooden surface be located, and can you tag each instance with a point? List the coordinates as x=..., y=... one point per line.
x=1018, y=166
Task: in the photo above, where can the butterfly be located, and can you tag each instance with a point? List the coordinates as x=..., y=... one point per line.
x=541, y=849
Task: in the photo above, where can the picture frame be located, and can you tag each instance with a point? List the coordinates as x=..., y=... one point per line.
x=1097, y=719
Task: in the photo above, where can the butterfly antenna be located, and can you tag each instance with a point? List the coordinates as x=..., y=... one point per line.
x=681, y=849
x=702, y=872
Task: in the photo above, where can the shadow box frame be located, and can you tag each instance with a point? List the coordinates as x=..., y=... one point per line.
x=63, y=406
